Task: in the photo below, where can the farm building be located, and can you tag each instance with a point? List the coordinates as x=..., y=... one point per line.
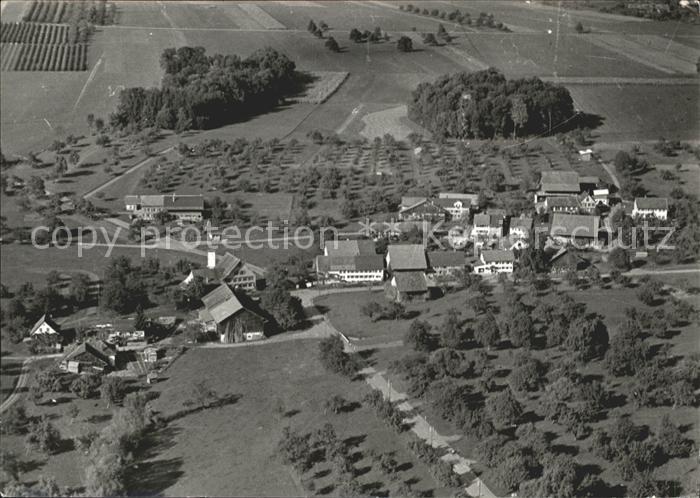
x=520, y=228
x=89, y=358
x=45, y=326
x=495, y=261
x=650, y=207
x=182, y=207
x=445, y=263
x=487, y=226
x=556, y=184
x=351, y=269
x=350, y=261
x=406, y=257
x=421, y=209
x=459, y=206
x=578, y=229
x=228, y=269
x=232, y=315
x=407, y=286
x=563, y=204
x=46, y=335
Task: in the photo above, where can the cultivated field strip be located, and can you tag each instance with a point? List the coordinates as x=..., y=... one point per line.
x=43, y=57
x=22, y=32
x=51, y=12
x=33, y=46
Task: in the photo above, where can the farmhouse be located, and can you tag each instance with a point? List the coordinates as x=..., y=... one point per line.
x=46, y=326
x=563, y=204
x=407, y=286
x=232, y=315
x=89, y=357
x=446, y=263
x=182, y=207
x=227, y=269
x=487, y=226
x=421, y=209
x=495, y=261
x=459, y=206
x=650, y=207
x=585, y=154
x=520, y=228
x=350, y=261
x=406, y=257
x=578, y=229
x=556, y=184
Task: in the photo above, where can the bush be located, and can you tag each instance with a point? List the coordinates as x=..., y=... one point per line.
x=334, y=358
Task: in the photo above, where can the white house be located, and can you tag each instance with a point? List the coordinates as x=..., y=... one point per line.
x=350, y=261
x=585, y=154
x=520, y=227
x=487, y=226
x=495, y=261
x=650, y=207
x=45, y=326
x=458, y=205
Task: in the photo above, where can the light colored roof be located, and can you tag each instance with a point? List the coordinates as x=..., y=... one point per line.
x=45, y=319
x=577, y=225
x=131, y=199
x=411, y=281
x=226, y=264
x=651, y=203
x=151, y=200
x=407, y=257
x=585, y=151
x=442, y=259
x=222, y=303
x=560, y=181
x=497, y=256
x=408, y=201
x=601, y=191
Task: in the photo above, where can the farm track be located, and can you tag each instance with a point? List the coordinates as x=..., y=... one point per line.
x=612, y=80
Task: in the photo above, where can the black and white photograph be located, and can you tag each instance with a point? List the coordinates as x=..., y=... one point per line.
x=318, y=248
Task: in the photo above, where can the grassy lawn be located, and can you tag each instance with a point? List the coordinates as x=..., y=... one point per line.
x=234, y=446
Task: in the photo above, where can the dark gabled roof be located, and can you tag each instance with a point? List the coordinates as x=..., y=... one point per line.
x=407, y=257
x=175, y=202
x=563, y=201
x=490, y=220
x=45, y=319
x=497, y=256
x=223, y=302
x=88, y=348
x=407, y=200
x=560, y=181
x=446, y=259
x=359, y=247
x=651, y=203
x=372, y=262
x=577, y=225
x=456, y=196
x=411, y=281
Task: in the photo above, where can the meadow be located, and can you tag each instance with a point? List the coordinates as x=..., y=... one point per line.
x=234, y=446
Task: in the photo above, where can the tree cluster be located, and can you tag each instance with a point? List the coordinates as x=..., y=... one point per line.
x=200, y=91
x=480, y=105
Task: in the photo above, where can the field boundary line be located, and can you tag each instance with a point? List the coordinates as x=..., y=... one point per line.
x=90, y=77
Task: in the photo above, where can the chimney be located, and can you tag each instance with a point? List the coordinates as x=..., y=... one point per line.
x=211, y=259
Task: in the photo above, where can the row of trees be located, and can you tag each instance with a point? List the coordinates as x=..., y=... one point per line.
x=484, y=104
x=200, y=91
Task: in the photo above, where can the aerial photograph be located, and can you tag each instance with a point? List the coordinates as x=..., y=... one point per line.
x=350, y=248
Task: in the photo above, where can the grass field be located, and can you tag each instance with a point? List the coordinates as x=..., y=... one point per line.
x=24, y=263
x=234, y=446
x=9, y=373
x=127, y=55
